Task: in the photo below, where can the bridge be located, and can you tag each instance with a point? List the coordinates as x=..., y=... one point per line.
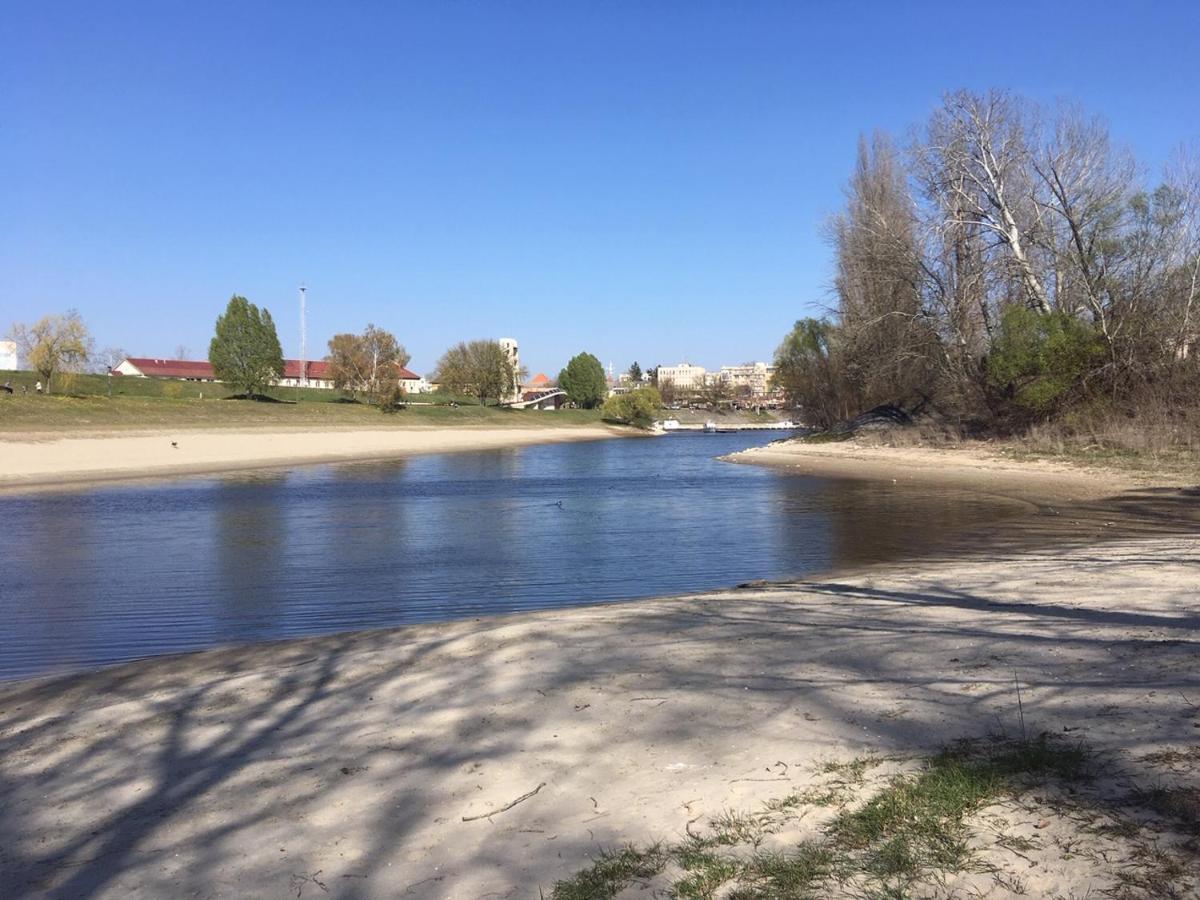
x=538, y=400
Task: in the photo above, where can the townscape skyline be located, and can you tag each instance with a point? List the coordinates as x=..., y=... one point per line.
x=648, y=184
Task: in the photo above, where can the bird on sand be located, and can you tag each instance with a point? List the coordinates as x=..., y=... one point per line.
x=175, y=445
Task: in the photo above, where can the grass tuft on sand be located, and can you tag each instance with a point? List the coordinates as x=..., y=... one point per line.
x=913, y=832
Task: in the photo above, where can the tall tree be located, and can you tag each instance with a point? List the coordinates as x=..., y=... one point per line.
x=481, y=369
x=245, y=350
x=583, y=380
x=976, y=152
x=808, y=369
x=348, y=363
x=54, y=345
x=367, y=362
x=888, y=340
x=635, y=373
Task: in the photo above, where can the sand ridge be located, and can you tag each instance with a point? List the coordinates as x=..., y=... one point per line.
x=30, y=461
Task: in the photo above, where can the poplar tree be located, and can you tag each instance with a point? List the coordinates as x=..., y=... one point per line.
x=245, y=350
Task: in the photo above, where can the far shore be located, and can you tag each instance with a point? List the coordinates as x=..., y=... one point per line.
x=975, y=465
x=32, y=462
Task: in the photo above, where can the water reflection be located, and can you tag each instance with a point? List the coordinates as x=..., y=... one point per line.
x=122, y=572
x=249, y=525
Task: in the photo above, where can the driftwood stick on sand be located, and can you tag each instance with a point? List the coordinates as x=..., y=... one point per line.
x=506, y=806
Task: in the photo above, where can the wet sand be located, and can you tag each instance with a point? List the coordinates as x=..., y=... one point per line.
x=380, y=764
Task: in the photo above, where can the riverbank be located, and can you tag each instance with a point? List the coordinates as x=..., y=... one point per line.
x=491, y=757
x=65, y=415
x=31, y=461
x=976, y=466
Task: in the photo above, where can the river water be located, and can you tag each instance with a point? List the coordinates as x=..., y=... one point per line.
x=109, y=574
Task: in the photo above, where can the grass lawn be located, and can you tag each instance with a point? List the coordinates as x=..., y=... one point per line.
x=144, y=403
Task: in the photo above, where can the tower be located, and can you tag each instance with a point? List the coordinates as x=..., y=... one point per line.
x=303, y=337
x=509, y=346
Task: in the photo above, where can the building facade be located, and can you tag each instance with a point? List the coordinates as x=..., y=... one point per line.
x=8, y=356
x=683, y=377
x=509, y=345
x=318, y=373
x=752, y=377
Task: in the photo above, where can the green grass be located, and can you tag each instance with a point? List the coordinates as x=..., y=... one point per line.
x=611, y=872
x=910, y=832
x=147, y=403
x=916, y=824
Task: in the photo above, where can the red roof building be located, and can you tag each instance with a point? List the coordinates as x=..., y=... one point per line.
x=318, y=371
x=144, y=367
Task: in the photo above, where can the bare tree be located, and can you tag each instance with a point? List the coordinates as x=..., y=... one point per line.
x=976, y=154
x=54, y=345
x=368, y=362
x=888, y=340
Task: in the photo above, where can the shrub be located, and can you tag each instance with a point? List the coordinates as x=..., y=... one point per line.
x=1039, y=360
x=637, y=408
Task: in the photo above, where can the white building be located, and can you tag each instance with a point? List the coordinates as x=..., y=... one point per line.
x=683, y=377
x=756, y=377
x=8, y=355
x=509, y=346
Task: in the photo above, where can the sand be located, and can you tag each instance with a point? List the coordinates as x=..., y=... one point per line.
x=49, y=460
x=976, y=466
x=345, y=766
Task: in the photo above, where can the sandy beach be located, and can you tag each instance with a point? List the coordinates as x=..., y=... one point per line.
x=975, y=466
x=48, y=460
x=387, y=763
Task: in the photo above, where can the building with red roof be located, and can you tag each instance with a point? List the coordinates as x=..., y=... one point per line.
x=317, y=371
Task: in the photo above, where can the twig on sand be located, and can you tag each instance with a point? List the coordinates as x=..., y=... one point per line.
x=300, y=879
x=1020, y=708
x=1187, y=701
x=506, y=806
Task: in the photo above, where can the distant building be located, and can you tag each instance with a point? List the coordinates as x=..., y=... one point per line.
x=9, y=360
x=145, y=367
x=538, y=381
x=414, y=383
x=318, y=372
x=756, y=377
x=683, y=377
x=509, y=346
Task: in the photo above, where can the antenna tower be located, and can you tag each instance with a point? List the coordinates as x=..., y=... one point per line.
x=303, y=337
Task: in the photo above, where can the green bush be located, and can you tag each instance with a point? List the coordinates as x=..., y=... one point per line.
x=1039, y=360
x=637, y=408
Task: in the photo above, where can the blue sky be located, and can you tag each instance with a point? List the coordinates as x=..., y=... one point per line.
x=641, y=180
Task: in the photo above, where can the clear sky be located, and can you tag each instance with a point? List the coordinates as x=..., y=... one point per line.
x=643, y=180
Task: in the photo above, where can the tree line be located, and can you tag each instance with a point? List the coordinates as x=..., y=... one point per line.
x=1010, y=264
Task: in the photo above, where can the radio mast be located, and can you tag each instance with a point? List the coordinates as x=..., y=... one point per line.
x=303, y=338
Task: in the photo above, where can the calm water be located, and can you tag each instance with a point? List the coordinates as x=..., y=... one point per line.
x=117, y=573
